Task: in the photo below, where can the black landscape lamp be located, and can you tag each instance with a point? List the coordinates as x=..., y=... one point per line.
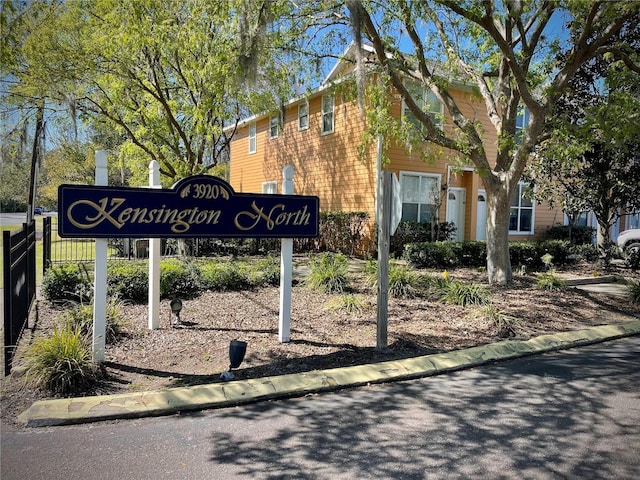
x=237, y=349
x=176, y=306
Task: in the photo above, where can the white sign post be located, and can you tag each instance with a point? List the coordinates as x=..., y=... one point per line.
x=154, y=258
x=286, y=267
x=100, y=273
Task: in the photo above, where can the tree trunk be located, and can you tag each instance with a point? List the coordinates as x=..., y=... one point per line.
x=498, y=261
x=604, y=242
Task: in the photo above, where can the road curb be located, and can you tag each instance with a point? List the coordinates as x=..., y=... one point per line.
x=217, y=395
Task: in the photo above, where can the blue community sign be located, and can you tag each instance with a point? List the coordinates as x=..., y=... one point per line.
x=197, y=206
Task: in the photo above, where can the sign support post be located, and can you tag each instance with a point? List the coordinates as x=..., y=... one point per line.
x=384, y=234
x=154, y=258
x=100, y=273
x=286, y=267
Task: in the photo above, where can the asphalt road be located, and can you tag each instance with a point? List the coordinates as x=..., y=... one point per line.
x=569, y=415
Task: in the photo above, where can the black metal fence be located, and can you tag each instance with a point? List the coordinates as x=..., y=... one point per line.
x=19, y=257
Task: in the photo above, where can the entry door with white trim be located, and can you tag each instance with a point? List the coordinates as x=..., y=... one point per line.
x=455, y=210
x=481, y=223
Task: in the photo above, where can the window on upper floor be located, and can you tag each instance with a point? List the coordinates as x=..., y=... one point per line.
x=522, y=120
x=328, y=107
x=521, y=215
x=427, y=101
x=274, y=126
x=420, y=193
x=303, y=115
x=253, y=138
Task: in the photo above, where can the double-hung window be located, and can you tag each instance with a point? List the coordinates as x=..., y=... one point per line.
x=420, y=193
x=427, y=101
x=274, y=126
x=303, y=115
x=521, y=214
x=253, y=140
x=328, y=107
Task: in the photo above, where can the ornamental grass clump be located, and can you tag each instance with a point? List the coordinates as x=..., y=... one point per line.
x=550, y=281
x=60, y=363
x=464, y=294
x=504, y=325
x=329, y=272
x=403, y=281
x=347, y=302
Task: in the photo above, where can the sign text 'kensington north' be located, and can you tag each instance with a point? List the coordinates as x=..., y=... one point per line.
x=198, y=206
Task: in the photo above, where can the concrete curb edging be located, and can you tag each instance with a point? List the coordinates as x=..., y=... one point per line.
x=217, y=395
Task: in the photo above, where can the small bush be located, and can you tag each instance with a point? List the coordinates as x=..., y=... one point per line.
x=347, y=302
x=81, y=316
x=329, y=272
x=433, y=254
x=464, y=294
x=632, y=292
x=220, y=276
x=128, y=280
x=403, y=281
x=576, y=234
x=587, y=252
x=505, y=325
x=60, y=363
x=265, y=271
x=550, y=281
x=420, y=232
x=179, y=278
x=69, y=281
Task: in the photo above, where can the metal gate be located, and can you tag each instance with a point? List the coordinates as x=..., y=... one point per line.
x=19, y=257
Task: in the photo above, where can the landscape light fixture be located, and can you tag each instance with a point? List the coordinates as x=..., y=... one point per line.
x=176, y=306
x=237, y=350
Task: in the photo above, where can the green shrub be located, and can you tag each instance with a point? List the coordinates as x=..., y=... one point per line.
x=69, y=281
x=464, y=294
x=329, y=272
x=347, y=302
x=525, y=254
x=433, y=254
x=419, y=232
x=473, y=254
x=179, y=278
x=60, y=363
x=576, y=234
x=550, y=281
x=81, y=316
x=560, y=250
x=587, y=252
x=264, y=271
x=632, y=292
x=128, y=280
x=403, y=281
x=220, y=276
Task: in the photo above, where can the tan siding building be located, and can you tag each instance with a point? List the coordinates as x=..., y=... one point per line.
x=320, y=135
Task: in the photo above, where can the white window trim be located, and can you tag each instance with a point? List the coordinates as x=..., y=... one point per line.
x=253, y=138
x=333, y=115
x=533, y=216
x=437, y=176
x=271, y=185
x=274, y=121
x=303, y=104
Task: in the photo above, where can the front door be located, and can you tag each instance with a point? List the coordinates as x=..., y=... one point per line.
x=455, y=210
